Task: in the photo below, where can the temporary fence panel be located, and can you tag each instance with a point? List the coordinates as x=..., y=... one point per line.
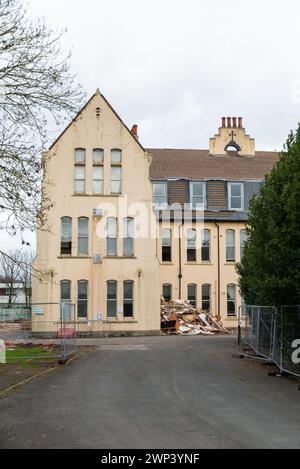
x=288, y=339
x=14, y=313
x=273, y=334
x=52, y=321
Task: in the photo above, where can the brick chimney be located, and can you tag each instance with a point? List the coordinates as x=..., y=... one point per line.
x=229, y=122
x=240, y=122
x=134, y=131
x=223, y=122
x=234, y=122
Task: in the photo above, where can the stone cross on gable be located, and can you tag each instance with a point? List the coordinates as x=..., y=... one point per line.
x=232, y=135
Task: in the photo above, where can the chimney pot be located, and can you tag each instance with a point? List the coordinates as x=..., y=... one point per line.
x=229, y=122
x=240, y=122
x=234, y=122
x=134, y=131
x=223, y=121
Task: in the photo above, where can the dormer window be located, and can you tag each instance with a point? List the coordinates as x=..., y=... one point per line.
x=236, y=196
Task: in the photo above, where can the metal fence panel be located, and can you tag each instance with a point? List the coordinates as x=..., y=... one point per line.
x=289, y=336
x=272, y=333
x=52, y=321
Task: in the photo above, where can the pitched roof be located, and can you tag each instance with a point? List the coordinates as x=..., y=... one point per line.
x=199, y=164
x=81, y=111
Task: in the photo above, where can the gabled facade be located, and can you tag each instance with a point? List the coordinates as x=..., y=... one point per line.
x=94, y=172
x=130, y=224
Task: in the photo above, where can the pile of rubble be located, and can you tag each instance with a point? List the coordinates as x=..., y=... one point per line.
x=179, y=317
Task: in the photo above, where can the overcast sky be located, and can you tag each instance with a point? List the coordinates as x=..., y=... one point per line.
x=176, y=67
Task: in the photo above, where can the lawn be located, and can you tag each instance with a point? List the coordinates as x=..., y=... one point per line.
x=26, y=355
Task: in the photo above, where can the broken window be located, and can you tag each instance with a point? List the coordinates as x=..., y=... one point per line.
x=111, y=241
x=206, y=297
x=82, y=300
x=66, y=236
x=167, y=292
x=128, y=299
x=166, y=245
x=230, y=245
x=192, y=295
x=111, y=299
x=231, y=300
x=205, y=247
x=191, y=246
x=83, y=239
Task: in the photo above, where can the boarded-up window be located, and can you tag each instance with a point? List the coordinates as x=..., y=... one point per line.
x=216, y=195
x=178, y=192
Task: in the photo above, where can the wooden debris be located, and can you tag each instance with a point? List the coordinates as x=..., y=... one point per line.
x=179, y=317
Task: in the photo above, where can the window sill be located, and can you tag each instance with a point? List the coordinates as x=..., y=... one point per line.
x=120, y=321
x=231, y=318
x=166, y=263
x=120, y=257
x=199, y=263
x=98, y=195
x=73, y=257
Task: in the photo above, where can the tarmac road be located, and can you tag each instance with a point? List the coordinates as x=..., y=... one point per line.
x=155, y=392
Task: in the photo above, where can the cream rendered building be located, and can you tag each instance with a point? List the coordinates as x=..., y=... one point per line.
x=130, y=224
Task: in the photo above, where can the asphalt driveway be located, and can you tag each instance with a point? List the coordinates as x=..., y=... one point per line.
x=155, y=392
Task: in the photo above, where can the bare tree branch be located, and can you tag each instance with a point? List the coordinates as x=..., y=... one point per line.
x=36, y=87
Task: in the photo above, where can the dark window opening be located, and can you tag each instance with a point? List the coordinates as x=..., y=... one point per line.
x=206, y=297
x=192, y=290
x=167, y=292
x=112, y=299
x=128, y=299
x=82, y=301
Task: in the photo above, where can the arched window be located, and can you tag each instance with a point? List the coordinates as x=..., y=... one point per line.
x=82, y=299
x=191, y=246
x=192, y=294
x=243, y=240
x=167, y=291
x=98, y=170
x=116, y=171
x=112, y=298
x=231, y=300
x=206, y=297
x=166, y=245
x=230, y=245
x=205, y=247
x=80, y=157
x=66, y=236
x=83, y=236
x=65, y=291
x=128, y=239
x=112, y=235
x=65, y=299
x=128, y=299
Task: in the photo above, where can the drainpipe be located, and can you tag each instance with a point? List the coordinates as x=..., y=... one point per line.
x=219, y=275
x=180, y=263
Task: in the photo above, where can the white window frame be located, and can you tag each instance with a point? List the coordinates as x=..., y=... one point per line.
x=241, y=184
x=203, y=183
x=165, y=201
